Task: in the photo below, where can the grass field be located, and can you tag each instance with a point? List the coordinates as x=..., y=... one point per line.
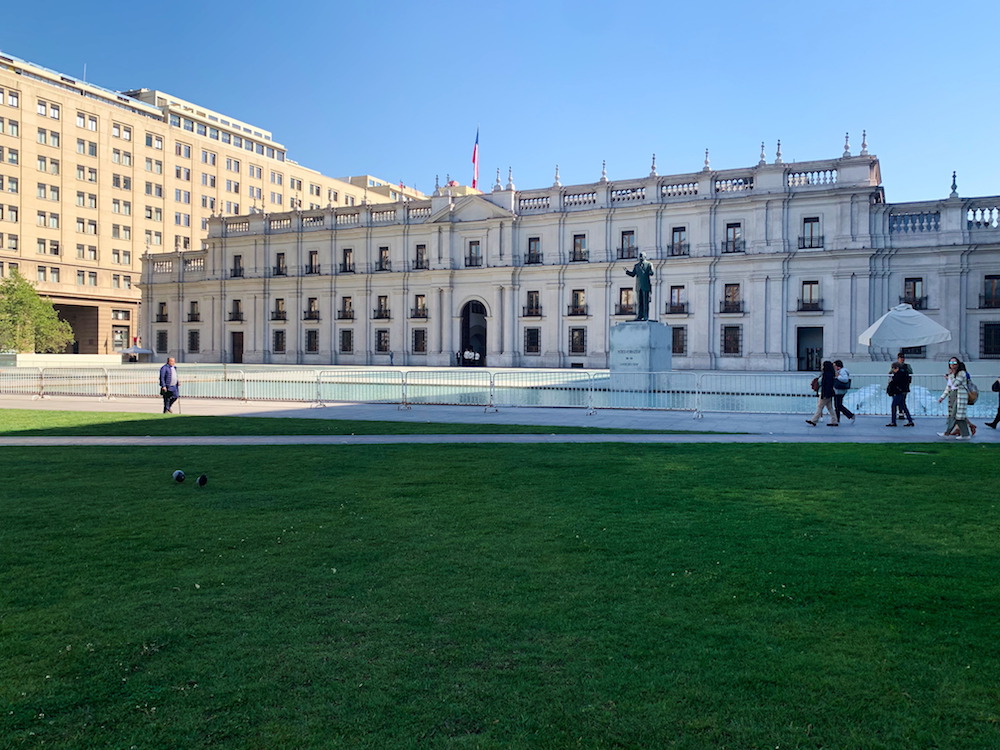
x=127, y=424
x=596, y=596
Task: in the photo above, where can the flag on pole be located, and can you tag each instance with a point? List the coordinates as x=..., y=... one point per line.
x=475, y=162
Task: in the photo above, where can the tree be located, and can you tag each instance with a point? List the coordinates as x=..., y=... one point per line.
x=29, y=322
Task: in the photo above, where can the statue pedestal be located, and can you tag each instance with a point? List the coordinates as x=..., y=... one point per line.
x=639, y=348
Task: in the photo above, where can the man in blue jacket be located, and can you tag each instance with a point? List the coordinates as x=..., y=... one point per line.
x=168, y=384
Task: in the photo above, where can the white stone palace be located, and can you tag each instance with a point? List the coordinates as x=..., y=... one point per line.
x=769, y=267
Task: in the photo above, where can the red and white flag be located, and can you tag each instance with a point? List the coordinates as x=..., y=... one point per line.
x=475, y=162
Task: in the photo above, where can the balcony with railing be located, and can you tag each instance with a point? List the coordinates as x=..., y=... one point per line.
x=419, y=313
x=194, y=317
x=383, y=264
x=989, y=301
x=628, y=252
x=344, y=314
x=279, y=315
x=731, y=306
x=236, y=317
x=531, y=311
x=473, y=261
x=917, y=303
x=810, y=305
x=236, y=273
x=533, y=259
x=162, y=318
x=676, y=308
x=346, y=267
x=420, y=264
x=280, y=270
x=627, y=308
x=579, y=256
x=310, y=315
x=576, y=310
x=733, y=246
x=811, y=242
x=312, y=269
x=678, y=249
x=381, y=313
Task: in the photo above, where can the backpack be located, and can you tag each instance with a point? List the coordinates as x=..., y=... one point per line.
x=815, y=385
x=973, y=390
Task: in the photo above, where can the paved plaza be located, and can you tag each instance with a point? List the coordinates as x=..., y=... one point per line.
x=726, y=427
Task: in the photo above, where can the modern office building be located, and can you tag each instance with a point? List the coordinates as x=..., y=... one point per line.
x=91, y=179
x=769, y=267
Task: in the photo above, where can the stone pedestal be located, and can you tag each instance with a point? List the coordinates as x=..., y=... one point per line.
x=639, y=347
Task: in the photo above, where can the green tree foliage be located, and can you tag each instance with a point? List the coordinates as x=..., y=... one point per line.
x=28, y=322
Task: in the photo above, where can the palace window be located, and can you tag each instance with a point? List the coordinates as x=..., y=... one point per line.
x=734, y=238
x=532, y=340
x=732, y=341
x=420, y=341
x=679, y=335
x=811, y=237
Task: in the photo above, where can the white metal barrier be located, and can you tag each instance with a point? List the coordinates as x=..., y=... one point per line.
x=697, y=392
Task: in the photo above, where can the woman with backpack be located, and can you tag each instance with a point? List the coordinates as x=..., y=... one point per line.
x=956, y=390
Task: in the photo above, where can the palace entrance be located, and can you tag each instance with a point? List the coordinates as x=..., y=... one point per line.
x=473, y=344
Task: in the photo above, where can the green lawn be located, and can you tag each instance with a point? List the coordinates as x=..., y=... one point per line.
x=501, y=596
x=128, y=424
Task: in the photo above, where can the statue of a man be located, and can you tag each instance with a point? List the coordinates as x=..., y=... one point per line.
x=643, y=272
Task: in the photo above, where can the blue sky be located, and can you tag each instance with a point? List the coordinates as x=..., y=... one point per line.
x=397, y=89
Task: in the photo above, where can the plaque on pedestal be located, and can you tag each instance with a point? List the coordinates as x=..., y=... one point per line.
x=638, y=349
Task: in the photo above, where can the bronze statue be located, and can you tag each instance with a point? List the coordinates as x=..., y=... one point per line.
x=643, y=272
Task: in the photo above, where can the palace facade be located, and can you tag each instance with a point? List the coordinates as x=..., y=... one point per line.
x=91, y=179
x=770, y=267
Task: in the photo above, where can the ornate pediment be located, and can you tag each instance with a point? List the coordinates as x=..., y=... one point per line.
x=468, y=208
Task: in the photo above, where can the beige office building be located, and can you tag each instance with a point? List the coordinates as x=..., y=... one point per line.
x=91, y=179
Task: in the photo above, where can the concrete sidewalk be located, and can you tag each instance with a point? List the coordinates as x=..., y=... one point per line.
x=736, y=428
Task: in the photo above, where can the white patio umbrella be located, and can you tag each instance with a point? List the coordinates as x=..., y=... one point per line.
x=903, y=326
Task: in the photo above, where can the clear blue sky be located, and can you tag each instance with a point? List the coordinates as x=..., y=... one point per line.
x=397, y=89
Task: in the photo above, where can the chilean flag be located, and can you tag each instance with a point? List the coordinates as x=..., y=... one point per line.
x=475, y=161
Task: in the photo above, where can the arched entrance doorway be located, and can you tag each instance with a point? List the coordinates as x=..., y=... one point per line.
x=473, y=334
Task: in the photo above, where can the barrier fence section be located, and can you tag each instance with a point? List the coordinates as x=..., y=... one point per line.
x=698, y=392
x=533, y=388
x=361, y=386
x=464, y=387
